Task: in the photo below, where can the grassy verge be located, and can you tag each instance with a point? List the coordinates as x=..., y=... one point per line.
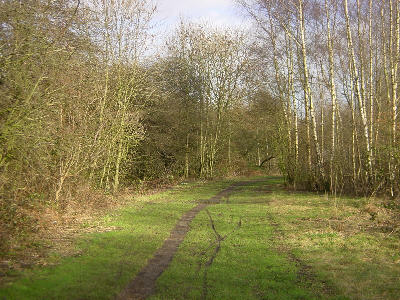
x=106, y=261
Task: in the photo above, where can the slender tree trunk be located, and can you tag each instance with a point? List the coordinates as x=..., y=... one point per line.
x=361, y=58
x=202, y=146
x=358, y=91
x=307, y=91
x=229, y=146
x=386, y=66
x=322, y=131
x=120, y=152
x=292, y=96
x=306, y=117
x=371, y=99
x=187, y=157
x=393, y=57
x=353, y=127
x=285, y=103
x=118, y=164
x=106, y=166
x=332, y=88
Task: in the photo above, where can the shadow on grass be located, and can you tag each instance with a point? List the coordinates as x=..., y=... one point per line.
x=109, y=260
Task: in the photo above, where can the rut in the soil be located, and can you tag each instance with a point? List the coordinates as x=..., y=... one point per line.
x=305, y=274
x=143, y=285
x=209, y=262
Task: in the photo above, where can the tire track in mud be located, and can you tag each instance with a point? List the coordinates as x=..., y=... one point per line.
x=144, y=284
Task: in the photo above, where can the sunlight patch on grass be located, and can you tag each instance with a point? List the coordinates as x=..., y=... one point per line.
x=246, y=266
x=107, y=261
x=268, y=243
x=339, y=241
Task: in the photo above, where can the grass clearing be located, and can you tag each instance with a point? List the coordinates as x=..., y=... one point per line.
x=106, y=261
x=342, y=242
x=261, y=242
x=246, y=264
x=291, y=245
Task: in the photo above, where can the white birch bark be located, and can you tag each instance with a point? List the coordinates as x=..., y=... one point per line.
x=332, y=88
x=358, y=90
x=307, y=88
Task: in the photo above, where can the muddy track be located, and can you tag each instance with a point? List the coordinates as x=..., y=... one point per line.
x=143, y=285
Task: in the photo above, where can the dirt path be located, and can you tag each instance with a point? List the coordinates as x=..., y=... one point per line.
x=143, y=285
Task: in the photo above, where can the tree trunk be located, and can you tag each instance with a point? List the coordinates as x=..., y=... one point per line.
x=358, y=92
x=332, y=88
x=393, y=57
x=187, y=157
x=307, y=91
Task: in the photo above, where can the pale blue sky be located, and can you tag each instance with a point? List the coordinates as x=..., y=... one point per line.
x=217, y=12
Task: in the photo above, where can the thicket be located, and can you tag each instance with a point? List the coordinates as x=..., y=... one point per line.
x=86, y=103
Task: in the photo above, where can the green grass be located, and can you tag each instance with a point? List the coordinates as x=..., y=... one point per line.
x=109, y=260
x=278, y=245
x=248, y=266
x=245, y=268
x=341, y=242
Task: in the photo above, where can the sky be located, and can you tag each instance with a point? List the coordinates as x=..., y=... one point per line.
x=169, y=13
x=220, y=13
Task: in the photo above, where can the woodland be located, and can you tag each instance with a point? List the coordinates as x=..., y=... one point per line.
x=89, y=107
